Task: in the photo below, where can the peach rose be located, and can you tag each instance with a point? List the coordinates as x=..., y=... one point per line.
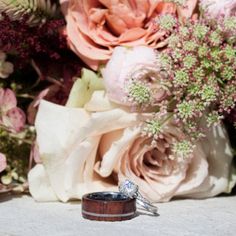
x=95, y=27
x=94, y=147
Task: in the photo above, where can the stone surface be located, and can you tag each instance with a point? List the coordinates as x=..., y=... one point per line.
x=22, y=216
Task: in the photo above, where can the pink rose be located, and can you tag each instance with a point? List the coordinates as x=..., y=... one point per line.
x=95, y=27
x=216, y=8
x=10, y=116
x=94, y=147
x=139, y=62
x=3, y=162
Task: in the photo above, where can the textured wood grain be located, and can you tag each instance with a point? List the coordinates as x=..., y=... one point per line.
x=108, y=209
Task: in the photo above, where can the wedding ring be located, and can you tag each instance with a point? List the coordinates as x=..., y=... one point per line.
x=130, y=189
x=108, y=206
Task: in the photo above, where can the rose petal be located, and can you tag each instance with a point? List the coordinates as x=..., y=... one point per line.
x=97, y=15
x=99, y=102
x=131, y=17
x=196, y=174
x=56, y=124
x=116, y=150
x=111, y=76
x=219, y=159
x=132, y=35
x=116, y=24
x=87, y=47
x=39, y=185
x=122, y=17
x=165, y=8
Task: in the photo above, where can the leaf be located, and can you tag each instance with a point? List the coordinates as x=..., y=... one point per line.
x=83, y=88
x=37, y=10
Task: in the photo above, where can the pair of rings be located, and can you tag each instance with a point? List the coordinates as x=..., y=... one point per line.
x=115, y=206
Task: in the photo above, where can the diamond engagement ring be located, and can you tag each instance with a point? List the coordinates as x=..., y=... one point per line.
x=130, y=189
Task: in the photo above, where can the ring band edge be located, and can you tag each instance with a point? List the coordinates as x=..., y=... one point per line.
x=108, y=215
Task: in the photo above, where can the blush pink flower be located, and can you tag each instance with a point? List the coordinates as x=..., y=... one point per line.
x=3, y=162
x=10, y=115
x=216, y=8
x=95, y=27
x=140, y=63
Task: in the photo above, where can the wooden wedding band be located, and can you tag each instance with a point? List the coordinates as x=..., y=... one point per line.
x=108, y=206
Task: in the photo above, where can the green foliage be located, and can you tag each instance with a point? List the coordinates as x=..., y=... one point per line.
x=17, y=148
x=83, y=88
x=38, y=11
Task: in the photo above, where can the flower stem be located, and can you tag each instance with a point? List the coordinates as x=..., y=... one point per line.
x=15, y=136
x=167, y=118
x=25, y=95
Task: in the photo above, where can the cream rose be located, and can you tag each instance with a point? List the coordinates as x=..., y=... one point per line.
x=94, y=147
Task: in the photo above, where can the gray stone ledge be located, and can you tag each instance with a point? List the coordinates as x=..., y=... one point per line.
x=22, y=216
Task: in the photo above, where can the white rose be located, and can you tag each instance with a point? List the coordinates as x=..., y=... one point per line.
x=94, y=147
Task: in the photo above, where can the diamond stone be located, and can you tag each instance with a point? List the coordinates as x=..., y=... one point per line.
x=128, y=188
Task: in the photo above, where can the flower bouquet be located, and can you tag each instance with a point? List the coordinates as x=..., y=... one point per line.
x=96, y=92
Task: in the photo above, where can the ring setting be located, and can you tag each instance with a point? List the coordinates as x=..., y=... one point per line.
x=115, y=206
x=131, y=190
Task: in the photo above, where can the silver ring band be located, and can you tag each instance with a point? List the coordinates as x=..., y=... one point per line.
x=149, y=207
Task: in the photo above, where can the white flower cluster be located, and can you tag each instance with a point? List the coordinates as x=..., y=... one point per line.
x=6, y=68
